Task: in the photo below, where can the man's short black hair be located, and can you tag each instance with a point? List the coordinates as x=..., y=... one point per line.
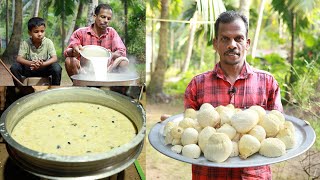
x=36, y=22
x=101, y=6
x=228, y=17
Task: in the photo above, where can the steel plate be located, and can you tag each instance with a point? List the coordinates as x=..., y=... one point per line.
x=305, y=136
x=112, y=79
x=100, y=51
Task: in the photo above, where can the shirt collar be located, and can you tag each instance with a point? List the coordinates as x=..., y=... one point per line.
x=246, y=70
x=32, y=45
x=90, y=31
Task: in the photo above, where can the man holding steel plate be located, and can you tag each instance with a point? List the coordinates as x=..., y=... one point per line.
x=233, y=81
x=100, y=34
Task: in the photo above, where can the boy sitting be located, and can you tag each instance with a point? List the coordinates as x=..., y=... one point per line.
x=37, y=55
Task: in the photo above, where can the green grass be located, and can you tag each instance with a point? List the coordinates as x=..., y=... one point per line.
x=141, y=71
x=316, y=126
x=65, y=80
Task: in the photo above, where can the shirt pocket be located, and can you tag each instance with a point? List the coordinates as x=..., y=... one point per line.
x=255, y=96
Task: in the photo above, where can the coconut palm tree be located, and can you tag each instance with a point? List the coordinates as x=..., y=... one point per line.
x=155, y=87
x=208, y=10
x=64, y=8
x=11, y=51
x=296, y=14
x=91, y=5
x=36, y=8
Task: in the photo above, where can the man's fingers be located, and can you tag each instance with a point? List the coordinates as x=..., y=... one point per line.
x=80, y=47
x=77, y=48
x=110, y=68
x=77, y=63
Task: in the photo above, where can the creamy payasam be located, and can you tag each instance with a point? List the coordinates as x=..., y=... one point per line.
x=74, y=128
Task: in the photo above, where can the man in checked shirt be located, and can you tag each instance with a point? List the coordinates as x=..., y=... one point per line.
x=233, y=81
x=99, y=33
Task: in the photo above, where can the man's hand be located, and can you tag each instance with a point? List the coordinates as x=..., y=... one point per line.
x=120, y=63
x=76, y=50
x=115, y=55
x=36, y=64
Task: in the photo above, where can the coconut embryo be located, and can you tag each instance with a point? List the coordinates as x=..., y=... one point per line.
x=73, y=129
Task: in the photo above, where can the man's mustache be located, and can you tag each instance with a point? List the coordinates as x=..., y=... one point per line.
x=232, y=51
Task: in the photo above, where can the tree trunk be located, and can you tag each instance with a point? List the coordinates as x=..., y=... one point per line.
x=73, y=24
x=157, y=77
x=125, y=22
x=256, y=36
x=280, y=28
x=203, y=46
x=171, y=46
x=63, y=34
x=12, y=49
x=92, y=4
x=45, y=9
x=13, y=12
x=245, y=8
x=152, y=47
x=36, y=9
x=293, y=29
x=79, y=15
x=193, y=27
x=7, y=23
x=291, y=78
x=27, y=5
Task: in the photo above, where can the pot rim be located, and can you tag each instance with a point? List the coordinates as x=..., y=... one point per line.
x=73, y=159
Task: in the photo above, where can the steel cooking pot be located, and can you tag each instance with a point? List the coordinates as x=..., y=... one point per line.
x=92, y=166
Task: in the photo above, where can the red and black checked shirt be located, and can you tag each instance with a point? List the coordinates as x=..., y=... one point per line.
x=86, y=36
x=252, y=87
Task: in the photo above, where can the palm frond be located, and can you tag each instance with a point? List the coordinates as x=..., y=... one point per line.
x=209, y=11
x=300, y=8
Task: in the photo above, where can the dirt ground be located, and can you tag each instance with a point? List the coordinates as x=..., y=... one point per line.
x=160, y=166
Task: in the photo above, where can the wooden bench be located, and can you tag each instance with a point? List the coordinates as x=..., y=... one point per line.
x=37, y=81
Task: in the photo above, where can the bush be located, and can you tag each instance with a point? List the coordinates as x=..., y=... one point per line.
x=274, y=64
x=179, y=87
x=316, y=126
